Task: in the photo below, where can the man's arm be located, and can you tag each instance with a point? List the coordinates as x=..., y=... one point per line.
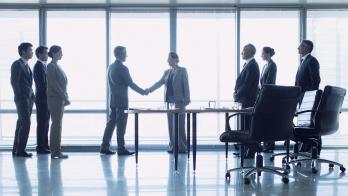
x=40, y=76
x=249, y=78
x=314, y=73
x=16, y=74
x=127, y=78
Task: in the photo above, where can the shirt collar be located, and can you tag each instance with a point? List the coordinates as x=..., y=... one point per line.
x=24, y=60
x=248, y=60
x=43, y=62
x=305, y=56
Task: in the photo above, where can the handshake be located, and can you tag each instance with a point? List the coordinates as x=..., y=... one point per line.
x=146, y=92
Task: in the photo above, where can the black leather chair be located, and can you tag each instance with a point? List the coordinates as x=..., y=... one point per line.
x=305, y=118
x=271, y=120
x=326, y=122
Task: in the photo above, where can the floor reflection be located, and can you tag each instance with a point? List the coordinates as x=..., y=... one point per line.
x=22, y=177
x=91, y=174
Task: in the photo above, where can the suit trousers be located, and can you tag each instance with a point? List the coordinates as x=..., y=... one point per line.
x=56, y=108
x=24, y=108
x=182, y=143
x=118, y=118
x=42, y=119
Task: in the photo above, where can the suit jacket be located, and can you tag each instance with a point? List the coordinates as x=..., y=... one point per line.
x=246, y=88
x=308, y=76
x=56, y=82
x=269, y=73
x=181, y=90
x=40, y=79
x=21, y=80
x=119, y=80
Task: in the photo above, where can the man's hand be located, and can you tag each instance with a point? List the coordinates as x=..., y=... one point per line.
x=147, y=91
x=66, y=103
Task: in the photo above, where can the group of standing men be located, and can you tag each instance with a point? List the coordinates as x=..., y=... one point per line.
x=21, y=81
x=247, y=84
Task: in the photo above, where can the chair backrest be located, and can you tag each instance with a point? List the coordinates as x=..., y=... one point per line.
x=327, y=115
x=273, y=114
x=310, y=101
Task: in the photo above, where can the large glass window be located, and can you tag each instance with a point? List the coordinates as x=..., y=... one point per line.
x=146, y=37
x=206, y=46
x=278, y=29
x=328, y=31
x=16, y=27
x=82, y=36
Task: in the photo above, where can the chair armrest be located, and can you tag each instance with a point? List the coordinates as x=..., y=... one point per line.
x=304, y=111
x=230, y=116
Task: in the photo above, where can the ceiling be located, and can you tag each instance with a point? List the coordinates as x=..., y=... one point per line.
x=166, y=2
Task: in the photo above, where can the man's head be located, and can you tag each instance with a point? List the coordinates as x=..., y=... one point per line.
x=248, y=52
x=173, y=59
x=305, y=47
x=41, y=53
x=120, y=53
x=25, y=50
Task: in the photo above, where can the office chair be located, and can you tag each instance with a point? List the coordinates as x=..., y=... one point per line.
x=326, y=122
x=305, y=117
x=271, y=120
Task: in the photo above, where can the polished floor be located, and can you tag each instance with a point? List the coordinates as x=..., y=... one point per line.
x=93, y=174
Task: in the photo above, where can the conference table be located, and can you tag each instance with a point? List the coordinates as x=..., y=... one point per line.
x=188, y=112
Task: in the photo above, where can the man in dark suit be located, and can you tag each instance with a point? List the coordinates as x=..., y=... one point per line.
x=308, y=75
x=246, y=88
x=21, y=81
x=42, y=113
x=119, y=80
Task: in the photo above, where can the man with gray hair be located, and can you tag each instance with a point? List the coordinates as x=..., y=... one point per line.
x=246, y=88
x=119, y=80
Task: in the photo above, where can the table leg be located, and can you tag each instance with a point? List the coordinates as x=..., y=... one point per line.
x=226, y=143
x=136, y=137
x=188, y=122
x=194, y=139
x=176, y=140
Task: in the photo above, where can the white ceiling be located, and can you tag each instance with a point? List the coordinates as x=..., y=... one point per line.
x=165, y=2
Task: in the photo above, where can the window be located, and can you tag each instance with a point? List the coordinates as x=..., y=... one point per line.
x=145, y=34
x=328, y=31
x=278, y=29
x=82, y=36
x=16, y=27
x=206, y=47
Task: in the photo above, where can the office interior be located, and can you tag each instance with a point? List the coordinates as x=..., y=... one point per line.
x=208, y=36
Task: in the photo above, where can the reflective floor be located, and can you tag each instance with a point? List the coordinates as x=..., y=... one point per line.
x=94, y=174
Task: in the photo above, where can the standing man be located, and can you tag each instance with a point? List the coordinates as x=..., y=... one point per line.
x=119, y=80
x=42, y=113
x=21, y=81
x=307, y=76
x=246, y=89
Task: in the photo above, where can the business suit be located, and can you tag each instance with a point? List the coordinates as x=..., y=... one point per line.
x=246, y=87
x=42, y=113
x=21, y=82
x=245, y=92
x=308, y=76
x=119, y=80
x=268, y=76
x=57, y=96
x=176, y=81
x=269, y=73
